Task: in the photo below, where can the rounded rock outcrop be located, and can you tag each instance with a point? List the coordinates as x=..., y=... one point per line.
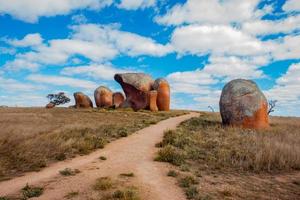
x=103, y=97
x=50, y=105
x=152, y=96
x=163, y=94
x=243, y=104
x=118, y=99
x=82, y=100
x=136, y=87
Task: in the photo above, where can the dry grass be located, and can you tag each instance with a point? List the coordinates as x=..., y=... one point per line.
x=31, y=138
x=204, y=148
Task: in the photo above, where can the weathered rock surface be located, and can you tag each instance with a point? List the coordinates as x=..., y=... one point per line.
x=118, y=99
x=103, y=97
x=136, y=87
x=243, y=104
x=50, y=105
x=163, y=94
x=152, y=96
x=82, y=100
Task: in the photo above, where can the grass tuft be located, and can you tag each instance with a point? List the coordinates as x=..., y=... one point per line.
x=172, y=173
x=71, y=195
x=103, y=183
x=30, y=191
x=187, y=181
x=102, y=158
x=127, y=174
x=170, y=154
x=129, y=193
x=69, y=172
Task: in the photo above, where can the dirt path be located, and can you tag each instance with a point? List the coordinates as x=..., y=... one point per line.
x=132, y=154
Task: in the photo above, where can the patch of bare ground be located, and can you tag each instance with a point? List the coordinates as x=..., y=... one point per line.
x=32, y=138
x=215, y=162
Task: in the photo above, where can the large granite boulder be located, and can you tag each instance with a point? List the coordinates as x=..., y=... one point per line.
x=152, y=96
x=243, y=104
x=136, y=87
x=163, y=94
x=50, y=105
x=103, y=97
x=118, y=99
x=82, y=100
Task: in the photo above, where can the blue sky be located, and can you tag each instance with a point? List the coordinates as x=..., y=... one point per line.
x=198, y=45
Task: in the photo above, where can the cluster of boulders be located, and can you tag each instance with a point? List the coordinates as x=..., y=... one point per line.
x=141, y=91
x=243, y=104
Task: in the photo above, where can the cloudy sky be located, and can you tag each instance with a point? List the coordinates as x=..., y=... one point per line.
x=48, y=46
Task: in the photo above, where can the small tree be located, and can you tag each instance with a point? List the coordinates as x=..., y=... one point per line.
x=272, y=105
x=58, y=99
x=211, y=108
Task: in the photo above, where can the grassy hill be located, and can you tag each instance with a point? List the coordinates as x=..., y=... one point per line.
x=215, y=162
x=31, y=138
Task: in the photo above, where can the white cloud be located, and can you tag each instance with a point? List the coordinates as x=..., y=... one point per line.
x=7, y=50
x=28, y=41
x=12, y=85
x=212, y=12
x=96, y=42
x=20, y=63
x=136, y=4
x=286, y=47
x=266, y=27
x=79, y=19
x=232, y=67
x=62, y=81
x=287, y=91
x=96, y=71
x=218, y=39
x=127, y=43
x=291, y=5
x=31, y=10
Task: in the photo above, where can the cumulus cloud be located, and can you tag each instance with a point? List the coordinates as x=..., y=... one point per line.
x=97, y=43
x=217, y=39
x=12, y=85
x=210, y=12
x=128, y=43
x=28, y=41
x=136, y=4
x=291, y=5
x=287, y=91
x=31, y=10
x=96, y=71
x=231, y=67
x=286, y=47
x=62, y=81
x=267, y=27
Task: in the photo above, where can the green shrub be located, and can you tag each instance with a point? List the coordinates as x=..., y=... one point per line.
x=191, y=192
x=170, y=154
x=172, y=173
x=126, y=194
x=187, y=181
x=29, y=191
x=103, y=183
x=69, y=172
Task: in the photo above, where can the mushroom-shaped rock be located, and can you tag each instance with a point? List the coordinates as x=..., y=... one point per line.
x=152, y=96
x=243, y=104
x=82, y=100
x=136, y=87
x=163, y=94
x=50, y=105
x=118, y=99
x=103, y=97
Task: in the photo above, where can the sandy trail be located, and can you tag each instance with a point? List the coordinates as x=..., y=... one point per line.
x=131, y=154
